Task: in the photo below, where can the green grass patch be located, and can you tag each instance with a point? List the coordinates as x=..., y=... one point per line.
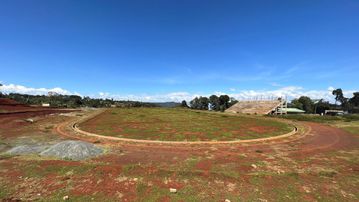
x=5, y=156
x=4, y=192
x=311, y=118
x=181, y=125
x=256, y=180
x=141, y=188
x=327, y=173
x=130, y=168
x=146, y=193
x=352, y=129
x=294, y=175
x=287, y=192
x=320, y=119
x=59, y=194
x=35, y=169
x=226, y=170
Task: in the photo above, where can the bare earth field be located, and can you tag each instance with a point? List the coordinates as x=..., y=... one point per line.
x=320, y=165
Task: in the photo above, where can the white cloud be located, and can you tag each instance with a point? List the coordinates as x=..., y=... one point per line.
x=290, y=92
x=103, y=94
x=167, y=97
x=275, y=84
x=12, y=88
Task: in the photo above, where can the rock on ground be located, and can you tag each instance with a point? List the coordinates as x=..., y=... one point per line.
x=74, y=150
x=26, y=149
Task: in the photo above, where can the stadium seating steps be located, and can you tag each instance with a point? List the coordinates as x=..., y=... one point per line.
x=254, y=107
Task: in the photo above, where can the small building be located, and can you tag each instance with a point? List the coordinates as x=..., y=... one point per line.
x=334, y=112
x=45, y=104
x=291, y=110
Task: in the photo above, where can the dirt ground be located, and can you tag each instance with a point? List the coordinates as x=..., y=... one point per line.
x=322, y=165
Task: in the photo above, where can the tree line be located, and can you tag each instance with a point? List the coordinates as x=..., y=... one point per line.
x=310, y=106
x=214, y=102
x=72, y=101
x=319, y=106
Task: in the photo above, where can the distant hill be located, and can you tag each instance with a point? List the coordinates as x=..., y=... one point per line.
x=167, y=104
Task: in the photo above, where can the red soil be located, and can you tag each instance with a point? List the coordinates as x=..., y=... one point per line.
x=205, y=166
x=15, y=118
x=262, y=129
x=325, y=138
x=7, y=101
x=11, y=105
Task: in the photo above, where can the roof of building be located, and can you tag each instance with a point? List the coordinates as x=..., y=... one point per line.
x=335, y=111
x=292, y=110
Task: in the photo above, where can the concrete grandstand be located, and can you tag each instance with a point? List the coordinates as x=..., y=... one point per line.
x=261, y=107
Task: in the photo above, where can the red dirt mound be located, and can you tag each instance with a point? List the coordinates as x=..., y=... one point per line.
x=7, y=104
x=7, y=101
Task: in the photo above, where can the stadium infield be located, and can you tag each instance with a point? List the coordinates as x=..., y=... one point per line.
x=181, y=125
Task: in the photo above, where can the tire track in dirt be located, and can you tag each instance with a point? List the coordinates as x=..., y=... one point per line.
x=326, y=138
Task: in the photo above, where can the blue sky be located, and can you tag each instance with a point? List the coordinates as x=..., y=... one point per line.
x=160, y=48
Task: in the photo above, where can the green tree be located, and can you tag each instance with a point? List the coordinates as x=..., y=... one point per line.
x=296, y=104
x=339, y=96
x=308, y=104
x=184, y=104
x=321, y=106
x=214, y=102
x=304, y=103
x=194, y=103
x=203, y=103
x=200, y=103
x=223, y=102
x=354, y=101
